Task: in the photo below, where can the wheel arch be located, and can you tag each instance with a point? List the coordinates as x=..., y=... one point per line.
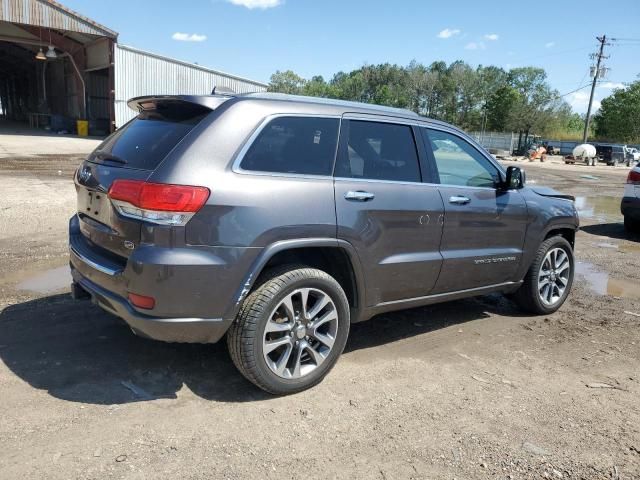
x=568, y=232
x=564, y=229
x=336, y=257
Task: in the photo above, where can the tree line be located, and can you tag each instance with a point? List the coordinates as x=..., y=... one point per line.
x=618, y=118
x=485, y=98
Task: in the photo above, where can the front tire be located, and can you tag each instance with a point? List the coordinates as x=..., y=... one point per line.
x=549, y=279
x=290, y=330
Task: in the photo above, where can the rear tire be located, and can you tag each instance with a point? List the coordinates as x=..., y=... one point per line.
x=631, y=225
x=290, y=330
x=549, y=279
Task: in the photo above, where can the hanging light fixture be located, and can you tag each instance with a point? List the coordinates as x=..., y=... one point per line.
x=51, y=53
x=40, y=55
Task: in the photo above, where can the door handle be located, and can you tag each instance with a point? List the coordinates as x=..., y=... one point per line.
x=359, y=196
x=459, y=200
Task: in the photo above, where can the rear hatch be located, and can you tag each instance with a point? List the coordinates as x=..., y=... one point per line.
x=132, y=153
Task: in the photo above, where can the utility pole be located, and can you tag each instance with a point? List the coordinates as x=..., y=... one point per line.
x=598, y=56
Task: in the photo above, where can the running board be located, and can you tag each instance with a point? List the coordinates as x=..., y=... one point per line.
x=437, y=298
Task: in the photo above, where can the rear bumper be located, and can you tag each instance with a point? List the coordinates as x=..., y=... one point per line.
x=184, y=330
x=630, y=207
x=195, y=288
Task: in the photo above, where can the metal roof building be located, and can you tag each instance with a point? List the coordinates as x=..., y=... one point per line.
x=162, y=75
x=57, y=66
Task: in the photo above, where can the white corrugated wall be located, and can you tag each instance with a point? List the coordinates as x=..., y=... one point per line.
x=140, y=73
x=44, y=13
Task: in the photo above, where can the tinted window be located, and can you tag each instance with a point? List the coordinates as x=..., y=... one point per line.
x=458, y=162
x=305, y=145
x=146, y=140
x=379, y=151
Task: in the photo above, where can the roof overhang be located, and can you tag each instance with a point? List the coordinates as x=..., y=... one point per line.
x=50, y=14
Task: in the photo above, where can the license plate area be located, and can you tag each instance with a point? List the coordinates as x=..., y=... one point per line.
x=103, y=227
x=94, y=204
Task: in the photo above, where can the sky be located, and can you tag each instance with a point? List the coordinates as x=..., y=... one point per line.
x=254, y=38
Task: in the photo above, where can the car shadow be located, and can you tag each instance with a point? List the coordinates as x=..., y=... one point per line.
x=611, y=230
x=391, y=327
x=77, y=352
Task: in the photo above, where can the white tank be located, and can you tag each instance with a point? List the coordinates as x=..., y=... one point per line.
x=584, y=150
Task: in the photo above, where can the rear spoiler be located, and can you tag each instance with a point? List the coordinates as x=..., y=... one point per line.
x=211, y=102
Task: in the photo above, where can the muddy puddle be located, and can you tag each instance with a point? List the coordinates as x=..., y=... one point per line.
x=633, y=248
x=48, y=281
x=601, y=283
x=624, y=248
x=601, y=208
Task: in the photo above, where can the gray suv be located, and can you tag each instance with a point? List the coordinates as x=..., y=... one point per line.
x=280, y=221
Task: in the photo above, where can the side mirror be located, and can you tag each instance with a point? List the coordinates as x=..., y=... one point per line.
x=515, y=178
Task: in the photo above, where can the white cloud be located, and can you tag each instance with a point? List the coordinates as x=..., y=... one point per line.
x=611, y=85
x=491, y=36
x=550, y=44
x=261, y=4
x=475, y=46
x=188, y=37
x=579, y=101
x=448, y=33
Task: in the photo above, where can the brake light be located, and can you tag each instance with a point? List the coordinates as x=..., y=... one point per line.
x=634, y=177
x=157, y=202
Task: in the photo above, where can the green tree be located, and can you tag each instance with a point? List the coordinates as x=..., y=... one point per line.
x=499, y=107
x=619, y=116
x=534, y=98
x=317, y=87
x=286, y=82
x=491, y=79
x=486, y=97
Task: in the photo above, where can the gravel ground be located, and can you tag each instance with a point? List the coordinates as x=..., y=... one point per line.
x=468, y=389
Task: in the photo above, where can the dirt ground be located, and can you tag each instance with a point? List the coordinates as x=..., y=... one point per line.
x=469, y=389
x=17, y=140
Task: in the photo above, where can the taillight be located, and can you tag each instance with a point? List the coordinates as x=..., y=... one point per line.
x=157, y=202
x=634, y=177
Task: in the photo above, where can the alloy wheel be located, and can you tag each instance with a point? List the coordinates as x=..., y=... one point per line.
x=300, y=333
x=553, y=276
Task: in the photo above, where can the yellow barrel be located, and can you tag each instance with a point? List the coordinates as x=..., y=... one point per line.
x=83, y=128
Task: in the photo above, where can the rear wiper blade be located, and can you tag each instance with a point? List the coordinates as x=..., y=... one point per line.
x=102, y=155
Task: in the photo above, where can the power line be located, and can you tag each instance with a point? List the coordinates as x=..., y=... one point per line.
x=579, y=83
x=576, y=90
x=625, y=42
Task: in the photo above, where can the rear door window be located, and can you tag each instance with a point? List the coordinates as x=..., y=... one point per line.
x=294, y=145
x=379, y=151
x=145, y=141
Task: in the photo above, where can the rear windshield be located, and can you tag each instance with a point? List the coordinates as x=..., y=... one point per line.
x=147, y=139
